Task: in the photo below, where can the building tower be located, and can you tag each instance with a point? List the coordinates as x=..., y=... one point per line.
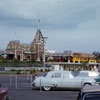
x=37, y=46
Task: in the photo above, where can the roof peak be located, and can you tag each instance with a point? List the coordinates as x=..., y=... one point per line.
x=38, y=37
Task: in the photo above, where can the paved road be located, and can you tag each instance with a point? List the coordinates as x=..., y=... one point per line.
x=24, y=91
x=28, y=94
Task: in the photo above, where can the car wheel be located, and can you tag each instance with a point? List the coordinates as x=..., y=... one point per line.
x=86, y=84
x=6, y=97
x=47, y=88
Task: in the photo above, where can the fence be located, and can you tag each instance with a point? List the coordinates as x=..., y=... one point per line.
x=16, y=81
x=22, y=64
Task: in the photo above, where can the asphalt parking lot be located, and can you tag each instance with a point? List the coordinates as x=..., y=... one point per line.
x=23, y=91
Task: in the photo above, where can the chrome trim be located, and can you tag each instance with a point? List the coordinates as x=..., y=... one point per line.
x=89, y=94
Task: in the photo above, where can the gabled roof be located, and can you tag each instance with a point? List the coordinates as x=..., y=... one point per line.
x=38, y=37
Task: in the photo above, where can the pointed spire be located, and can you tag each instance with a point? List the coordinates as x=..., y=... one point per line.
x=38, y=37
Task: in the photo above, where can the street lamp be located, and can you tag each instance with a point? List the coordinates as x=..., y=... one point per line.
x=38, y=58
x=15, y=46
x=44, y=39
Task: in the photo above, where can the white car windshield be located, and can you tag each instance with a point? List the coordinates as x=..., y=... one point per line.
x=75, y=73
x=45, y=75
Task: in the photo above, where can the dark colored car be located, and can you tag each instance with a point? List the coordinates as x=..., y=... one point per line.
x=91, y=92
x=4, y=93
x=98, y=80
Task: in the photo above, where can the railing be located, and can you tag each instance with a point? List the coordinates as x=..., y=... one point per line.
x=16, y=81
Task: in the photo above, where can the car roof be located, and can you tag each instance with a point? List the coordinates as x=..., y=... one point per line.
x=58, y=71
x=91, y=88
x=3, y=89
x=73, y=71
x=89, y=71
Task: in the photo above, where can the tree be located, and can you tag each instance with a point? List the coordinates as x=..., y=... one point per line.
x=2, y=59
x=96, y=55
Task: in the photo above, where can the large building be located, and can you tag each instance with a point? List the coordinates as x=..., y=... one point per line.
x=35, y=52
x=30, y=52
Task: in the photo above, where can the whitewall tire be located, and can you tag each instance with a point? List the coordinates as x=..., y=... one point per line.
x=46, y=88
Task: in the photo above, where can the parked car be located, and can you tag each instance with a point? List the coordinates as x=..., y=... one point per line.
x=97, y=80
x=91, y=92
x=93, y=74
x=62, y=79
x=3, y=93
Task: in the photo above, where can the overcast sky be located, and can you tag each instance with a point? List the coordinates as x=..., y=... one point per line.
x=68, y=24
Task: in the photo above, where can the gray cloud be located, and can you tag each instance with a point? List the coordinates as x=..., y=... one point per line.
x=63, y=21
x=60, y=13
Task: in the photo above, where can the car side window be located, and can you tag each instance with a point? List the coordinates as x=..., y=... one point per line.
x=56, y=75
x=53, y=75
x=84, y=74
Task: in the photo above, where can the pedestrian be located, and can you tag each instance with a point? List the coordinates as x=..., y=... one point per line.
x=35, y=76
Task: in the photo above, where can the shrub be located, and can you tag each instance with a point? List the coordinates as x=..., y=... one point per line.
x=13, y=70
x=18, y=72
x=23, y=72
x=41, y=70
x=32, y=71
x=46, y=70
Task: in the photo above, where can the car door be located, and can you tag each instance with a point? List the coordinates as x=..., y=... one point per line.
x=77, y=82
x=67, y=80
x=79, y=79
x=56, y=79
x=71, y=81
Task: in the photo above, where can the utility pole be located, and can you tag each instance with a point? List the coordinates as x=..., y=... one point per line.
x=15, y=45
x=44, y=38
x=38, y=58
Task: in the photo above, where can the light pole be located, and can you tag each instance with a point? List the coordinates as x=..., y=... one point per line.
x=15, y=45
x=44, y=38
x=38, y=58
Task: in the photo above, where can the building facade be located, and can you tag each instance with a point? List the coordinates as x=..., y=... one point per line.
x=29, y=52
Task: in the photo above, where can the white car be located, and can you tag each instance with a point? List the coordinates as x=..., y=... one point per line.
x=93, y=74
x=63, y=79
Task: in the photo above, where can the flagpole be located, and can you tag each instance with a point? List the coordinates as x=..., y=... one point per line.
x=39, y=24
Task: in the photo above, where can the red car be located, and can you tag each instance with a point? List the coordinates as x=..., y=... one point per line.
x=4, y=93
